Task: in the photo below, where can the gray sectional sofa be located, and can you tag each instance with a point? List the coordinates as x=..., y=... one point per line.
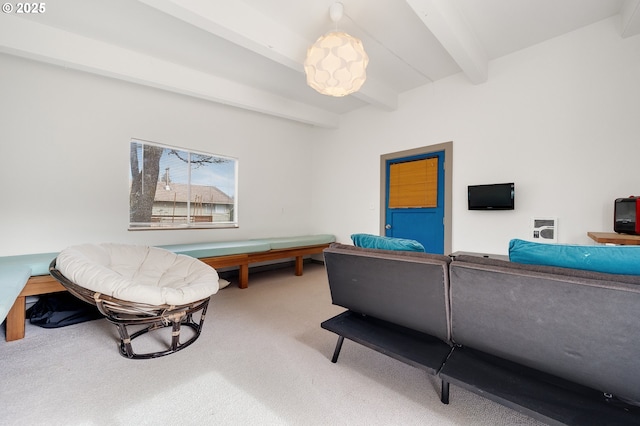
x=561, y=345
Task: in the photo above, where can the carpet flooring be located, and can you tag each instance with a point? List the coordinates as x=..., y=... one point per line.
x=262, y=359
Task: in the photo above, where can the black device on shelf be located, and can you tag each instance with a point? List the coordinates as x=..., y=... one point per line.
x=626, y=212
x=497, y=196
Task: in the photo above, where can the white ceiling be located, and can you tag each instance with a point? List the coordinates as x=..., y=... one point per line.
x=249, y=53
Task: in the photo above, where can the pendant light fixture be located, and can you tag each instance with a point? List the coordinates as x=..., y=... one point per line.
x=336, y=63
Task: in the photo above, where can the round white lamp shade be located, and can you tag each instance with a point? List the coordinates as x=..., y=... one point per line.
x=336, y=64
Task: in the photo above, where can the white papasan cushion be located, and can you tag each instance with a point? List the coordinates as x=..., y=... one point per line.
x=138, y=274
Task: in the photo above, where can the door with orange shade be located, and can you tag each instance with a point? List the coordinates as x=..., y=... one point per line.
x=415, y=200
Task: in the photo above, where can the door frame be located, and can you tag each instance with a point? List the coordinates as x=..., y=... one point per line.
x=447, y=147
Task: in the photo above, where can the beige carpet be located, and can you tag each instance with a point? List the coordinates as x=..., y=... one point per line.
x=262, y=359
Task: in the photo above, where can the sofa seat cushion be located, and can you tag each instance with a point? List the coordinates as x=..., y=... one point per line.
x=608, y=259
x=138, y=274
x=386, y=243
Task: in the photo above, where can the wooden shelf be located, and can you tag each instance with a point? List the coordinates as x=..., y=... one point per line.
x=614, y=238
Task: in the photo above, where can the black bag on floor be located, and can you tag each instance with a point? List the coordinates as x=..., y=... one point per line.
x=61, y=309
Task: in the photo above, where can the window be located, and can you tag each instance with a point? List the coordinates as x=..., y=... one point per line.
x=172, y=188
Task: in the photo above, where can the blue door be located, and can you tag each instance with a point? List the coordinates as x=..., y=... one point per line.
x=415, y=206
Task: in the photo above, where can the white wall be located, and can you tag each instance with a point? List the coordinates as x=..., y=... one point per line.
x=64, y=159
x=560, y=119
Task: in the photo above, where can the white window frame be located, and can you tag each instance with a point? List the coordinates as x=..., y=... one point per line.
x=159, y=219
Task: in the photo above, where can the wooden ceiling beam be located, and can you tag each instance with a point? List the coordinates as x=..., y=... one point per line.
x=630, y=16
x=245, y=26
x=445, y=22
x=29, y=39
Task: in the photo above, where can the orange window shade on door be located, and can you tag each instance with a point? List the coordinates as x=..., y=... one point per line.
x=414, y=184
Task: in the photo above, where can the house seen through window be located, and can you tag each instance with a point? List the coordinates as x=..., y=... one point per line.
x=175, y=188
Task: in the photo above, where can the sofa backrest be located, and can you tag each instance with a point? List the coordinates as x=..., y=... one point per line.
x=578, y=325
x=410, y=289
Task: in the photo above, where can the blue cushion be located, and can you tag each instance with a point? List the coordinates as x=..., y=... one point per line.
x=385, y=243
x=299, y=241
x=224, y=248
x=39, y=262
x=609, y=259
x=12, y=280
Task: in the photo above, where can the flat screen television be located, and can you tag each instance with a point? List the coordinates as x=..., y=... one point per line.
x=497, y=196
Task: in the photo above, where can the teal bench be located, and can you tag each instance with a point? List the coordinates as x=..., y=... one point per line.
x=243, y=253
x=28, y=275
x=22, y=276
x=13, y=279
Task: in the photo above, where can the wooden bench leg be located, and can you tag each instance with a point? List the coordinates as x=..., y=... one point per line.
x=15, y=320
x=244, y=275
x=299, y=263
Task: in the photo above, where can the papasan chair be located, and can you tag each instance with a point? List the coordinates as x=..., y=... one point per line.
x=135, y=285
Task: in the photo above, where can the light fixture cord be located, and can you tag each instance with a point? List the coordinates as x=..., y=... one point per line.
x=336, y=12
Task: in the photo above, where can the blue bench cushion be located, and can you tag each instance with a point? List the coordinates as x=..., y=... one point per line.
x=38, y=263
x=300, y=241
x=609, y=259
x=386, y=243
x=12, y=280
x=226, y=248
x=223, y=248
